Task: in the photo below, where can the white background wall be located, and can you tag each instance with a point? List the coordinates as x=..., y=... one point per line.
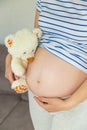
x=15, y=15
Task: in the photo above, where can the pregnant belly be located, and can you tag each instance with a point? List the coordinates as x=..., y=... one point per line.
x=51, y=76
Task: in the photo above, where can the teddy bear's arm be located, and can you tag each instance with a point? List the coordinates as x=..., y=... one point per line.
x=17, y=67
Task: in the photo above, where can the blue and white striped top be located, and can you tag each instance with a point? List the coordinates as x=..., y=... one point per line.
x=64, y=26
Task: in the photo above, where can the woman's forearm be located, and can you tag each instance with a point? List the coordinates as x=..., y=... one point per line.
x=78, y=96
x=8, y=59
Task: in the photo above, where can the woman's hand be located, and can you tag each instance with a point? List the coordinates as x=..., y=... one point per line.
x=10, y=75
x=57, y=104
x=52, y=104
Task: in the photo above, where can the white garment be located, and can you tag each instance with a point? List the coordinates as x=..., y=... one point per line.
x=73, y=119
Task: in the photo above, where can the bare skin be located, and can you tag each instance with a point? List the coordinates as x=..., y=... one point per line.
x=50, y=76
x=78, y=94
x=49, y=93
x=8, y=72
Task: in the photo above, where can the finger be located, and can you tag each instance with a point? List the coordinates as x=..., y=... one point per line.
x=44, y=105
x=45, y=99
x=11, y=78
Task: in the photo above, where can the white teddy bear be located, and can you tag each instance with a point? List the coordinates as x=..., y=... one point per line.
x=22, y=46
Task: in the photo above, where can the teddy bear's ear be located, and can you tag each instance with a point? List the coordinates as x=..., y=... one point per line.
x=37, y=32
x=8, y=41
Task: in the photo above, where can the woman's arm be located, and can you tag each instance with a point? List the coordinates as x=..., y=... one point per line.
x=78, y=96
x=36, y=19
x=8, y=72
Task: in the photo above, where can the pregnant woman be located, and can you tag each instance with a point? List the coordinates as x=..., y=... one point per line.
x=57, y=77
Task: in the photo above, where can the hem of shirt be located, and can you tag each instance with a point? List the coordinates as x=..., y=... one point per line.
x=68, y=61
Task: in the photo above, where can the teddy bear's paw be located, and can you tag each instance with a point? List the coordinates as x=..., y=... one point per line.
x=20, y=89
x=19, y=86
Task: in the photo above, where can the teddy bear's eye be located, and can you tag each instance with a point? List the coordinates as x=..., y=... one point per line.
x=32, y=50
x=24, y=52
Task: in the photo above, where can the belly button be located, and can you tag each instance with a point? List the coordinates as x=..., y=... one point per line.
x=38, y=81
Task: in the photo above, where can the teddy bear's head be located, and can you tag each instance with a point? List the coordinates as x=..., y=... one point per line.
x=23, y=43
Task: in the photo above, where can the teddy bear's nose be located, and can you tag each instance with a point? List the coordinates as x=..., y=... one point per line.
x=30, y=59
x=9, y=42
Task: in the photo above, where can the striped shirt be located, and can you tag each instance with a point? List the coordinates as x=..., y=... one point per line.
x=64, y=26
